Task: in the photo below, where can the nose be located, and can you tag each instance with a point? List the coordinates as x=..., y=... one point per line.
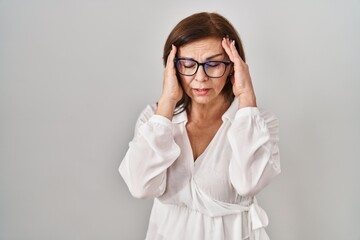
x=200, y=74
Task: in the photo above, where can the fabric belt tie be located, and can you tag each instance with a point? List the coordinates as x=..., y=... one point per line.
x=257, y=218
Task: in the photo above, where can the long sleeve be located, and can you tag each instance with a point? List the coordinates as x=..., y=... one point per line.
x=255, y=160
x=150, y=154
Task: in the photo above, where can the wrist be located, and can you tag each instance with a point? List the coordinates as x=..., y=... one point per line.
x=165, y=107
x=246, y=100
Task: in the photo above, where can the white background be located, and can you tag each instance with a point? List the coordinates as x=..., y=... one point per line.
x=74, y=76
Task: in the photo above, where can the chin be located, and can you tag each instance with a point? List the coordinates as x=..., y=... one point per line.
x=202, y=99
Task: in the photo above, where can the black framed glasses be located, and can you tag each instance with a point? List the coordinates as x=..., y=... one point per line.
x=212, y=69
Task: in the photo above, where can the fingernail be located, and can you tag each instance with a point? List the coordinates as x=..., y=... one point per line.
x=233, y=42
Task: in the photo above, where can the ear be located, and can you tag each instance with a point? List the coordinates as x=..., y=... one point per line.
x=229, y=77
x=231, y=70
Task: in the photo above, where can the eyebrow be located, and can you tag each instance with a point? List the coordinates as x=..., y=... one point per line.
x=214, y=56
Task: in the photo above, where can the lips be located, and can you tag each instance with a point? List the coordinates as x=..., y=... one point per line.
x=201, y=91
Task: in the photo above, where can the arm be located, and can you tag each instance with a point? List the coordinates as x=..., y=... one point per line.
x=254, y=139
x=253, y=135
x=153, y=148
x=150, y=154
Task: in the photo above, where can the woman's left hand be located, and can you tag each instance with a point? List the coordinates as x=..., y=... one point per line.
x=241, y=80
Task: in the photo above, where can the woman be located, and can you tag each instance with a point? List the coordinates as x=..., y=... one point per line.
x=204, y=150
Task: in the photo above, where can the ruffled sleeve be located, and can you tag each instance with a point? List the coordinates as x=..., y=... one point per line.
x=150, y=153
x=255, y=161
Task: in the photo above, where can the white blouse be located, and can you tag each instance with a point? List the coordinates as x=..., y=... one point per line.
x=213, y=197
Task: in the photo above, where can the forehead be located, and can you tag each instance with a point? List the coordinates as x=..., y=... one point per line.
x=201, y=48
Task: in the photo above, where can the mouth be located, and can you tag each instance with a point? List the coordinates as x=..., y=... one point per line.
x=201, y=91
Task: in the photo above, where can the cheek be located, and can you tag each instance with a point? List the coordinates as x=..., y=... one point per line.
x=220, y=83
x=185, y=81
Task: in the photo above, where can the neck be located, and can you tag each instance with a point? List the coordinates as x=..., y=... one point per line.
x=205, y=114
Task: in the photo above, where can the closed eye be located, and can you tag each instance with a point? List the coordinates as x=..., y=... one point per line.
x=214, y=64
x=191, y=65
x=188, y=63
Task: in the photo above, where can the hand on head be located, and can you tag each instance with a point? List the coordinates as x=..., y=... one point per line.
x=242, y=84
x=172, y=92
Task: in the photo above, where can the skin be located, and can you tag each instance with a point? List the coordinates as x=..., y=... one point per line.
x=207, y=103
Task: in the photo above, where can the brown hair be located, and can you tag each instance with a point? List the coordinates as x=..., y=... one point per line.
x=200, y=26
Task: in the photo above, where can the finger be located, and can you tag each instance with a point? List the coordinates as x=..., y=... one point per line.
x=232, y=51
x=235, y=52
x=171, y=56
x=225, y=44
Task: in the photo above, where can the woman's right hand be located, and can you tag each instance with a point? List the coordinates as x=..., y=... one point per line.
x=172, y=91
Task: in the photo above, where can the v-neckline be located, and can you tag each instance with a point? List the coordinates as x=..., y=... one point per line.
x=182, y=118
x=196, y=161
